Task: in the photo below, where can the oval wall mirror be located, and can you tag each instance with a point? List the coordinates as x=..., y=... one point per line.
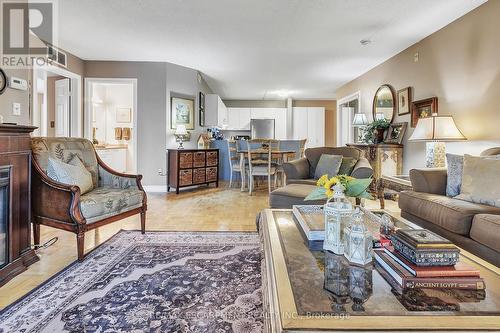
x=384, y=103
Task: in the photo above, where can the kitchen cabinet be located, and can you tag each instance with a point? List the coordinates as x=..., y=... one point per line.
x=309, y=123
x=216, y=113
x=115, y=158
x=238, y=119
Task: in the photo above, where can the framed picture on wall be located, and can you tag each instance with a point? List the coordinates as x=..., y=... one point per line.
x=396, y=133
x=123, y=115
x=202, y=108
x=423, y=109
x=404, y=101
x=182, y=112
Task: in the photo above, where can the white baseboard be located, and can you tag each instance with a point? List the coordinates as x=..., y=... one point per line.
x=155, y=188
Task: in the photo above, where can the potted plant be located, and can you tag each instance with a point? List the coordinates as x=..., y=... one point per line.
x=374, y=132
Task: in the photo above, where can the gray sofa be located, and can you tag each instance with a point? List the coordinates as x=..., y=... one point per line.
x=300, y=175
x=473, y=227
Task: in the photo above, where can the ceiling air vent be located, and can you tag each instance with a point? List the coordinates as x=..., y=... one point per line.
x=57, y=56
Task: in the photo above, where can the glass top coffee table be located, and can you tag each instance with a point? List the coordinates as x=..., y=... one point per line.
x=359, y=297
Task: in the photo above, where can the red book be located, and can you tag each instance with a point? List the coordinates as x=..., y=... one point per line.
x=406, y=280
x=459, y=270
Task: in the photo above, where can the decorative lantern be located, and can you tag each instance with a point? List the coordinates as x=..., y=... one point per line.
x=358, y=244
x=337, y=216
x=337, y=281
x=360, y=285
x=387, y=227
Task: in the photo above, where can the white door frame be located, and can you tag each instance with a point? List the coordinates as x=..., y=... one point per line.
x=87, y=128
x=76, y=98
x=343, y=100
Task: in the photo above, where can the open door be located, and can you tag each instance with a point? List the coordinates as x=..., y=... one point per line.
x=63, y=108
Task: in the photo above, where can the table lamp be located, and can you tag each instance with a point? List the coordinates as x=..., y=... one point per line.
x=360, y=121
x=435, y=131
x=181, y=135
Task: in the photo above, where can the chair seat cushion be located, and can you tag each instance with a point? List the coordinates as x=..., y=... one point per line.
x=104, y=202
x=486, y=230
x=292, y=194
x=451, y=214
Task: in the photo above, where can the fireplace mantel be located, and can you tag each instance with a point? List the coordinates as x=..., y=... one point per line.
x=15, y=154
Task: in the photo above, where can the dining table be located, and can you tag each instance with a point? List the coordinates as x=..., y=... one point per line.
x=278, y=154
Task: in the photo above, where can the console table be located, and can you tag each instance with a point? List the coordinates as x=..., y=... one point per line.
x=189, y=167
x=396, y=183
x=385, y=159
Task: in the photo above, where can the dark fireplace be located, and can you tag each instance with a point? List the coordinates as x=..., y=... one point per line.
x=4, y=214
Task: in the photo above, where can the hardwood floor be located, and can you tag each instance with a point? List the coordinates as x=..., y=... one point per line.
x=203, y=209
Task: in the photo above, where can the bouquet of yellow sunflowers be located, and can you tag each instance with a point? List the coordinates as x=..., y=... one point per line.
x=355, y=188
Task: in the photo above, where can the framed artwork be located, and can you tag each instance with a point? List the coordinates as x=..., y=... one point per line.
x=404, y=101
x=396, y=133
x=202, y=108
x=181, y=112
x=123, y=115
x=423, y=109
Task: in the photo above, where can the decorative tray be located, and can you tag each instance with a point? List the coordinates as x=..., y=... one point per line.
x=312, y=223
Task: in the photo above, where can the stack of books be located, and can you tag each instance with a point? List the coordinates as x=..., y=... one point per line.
x=422, y=259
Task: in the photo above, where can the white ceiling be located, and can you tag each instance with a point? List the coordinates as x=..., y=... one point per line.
x=249, y=49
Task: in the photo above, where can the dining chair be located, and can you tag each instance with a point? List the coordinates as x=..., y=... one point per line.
x=302, y=148
x=234, y=162
x=260, y=164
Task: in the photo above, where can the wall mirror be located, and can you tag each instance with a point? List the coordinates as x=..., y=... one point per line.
x=384, y=103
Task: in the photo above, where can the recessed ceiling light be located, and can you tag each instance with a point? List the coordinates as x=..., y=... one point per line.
x=282, y=93
x=365, y=42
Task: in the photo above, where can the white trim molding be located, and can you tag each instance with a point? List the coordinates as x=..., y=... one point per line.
x=343, y=100
x=155, y=188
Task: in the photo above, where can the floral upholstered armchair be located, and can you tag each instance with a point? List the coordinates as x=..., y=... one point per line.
x=112, y=197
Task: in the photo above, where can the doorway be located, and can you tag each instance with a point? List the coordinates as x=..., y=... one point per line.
x=347, y=107
x=111, y=121
x=56, y=101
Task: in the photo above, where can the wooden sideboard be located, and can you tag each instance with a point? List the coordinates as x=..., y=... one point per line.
x=190, y=167
x=385, y=159
x=16, y=253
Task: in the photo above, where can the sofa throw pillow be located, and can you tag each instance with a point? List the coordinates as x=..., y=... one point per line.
x=71, y=173
x=455, y=170
x=481, y=181
x=348, y=164
x=328, y=165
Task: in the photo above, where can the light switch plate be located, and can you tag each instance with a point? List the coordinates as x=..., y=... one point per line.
x=16, y=109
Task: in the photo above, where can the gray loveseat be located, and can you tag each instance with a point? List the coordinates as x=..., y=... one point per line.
x=473, y=227
x=300, y=175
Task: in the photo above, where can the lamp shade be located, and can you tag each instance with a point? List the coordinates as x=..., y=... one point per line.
x=181, y=130
x=360, y=120
x=437, y=128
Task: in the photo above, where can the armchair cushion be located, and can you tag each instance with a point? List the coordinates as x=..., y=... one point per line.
x=104, y=202
x=64, y=149
x=72, y=173
x=298, y=169
x=347, y=166
x=107, y=179
x=328, y=165
x=362, y=169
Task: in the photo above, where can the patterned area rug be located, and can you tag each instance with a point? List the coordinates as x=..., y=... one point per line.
x=158, y=282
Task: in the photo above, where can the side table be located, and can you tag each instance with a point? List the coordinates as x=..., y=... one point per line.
x=396, y=183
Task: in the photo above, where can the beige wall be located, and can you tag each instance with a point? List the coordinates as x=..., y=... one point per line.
x=460, y=65
x=15, y=96
x=330, y=117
